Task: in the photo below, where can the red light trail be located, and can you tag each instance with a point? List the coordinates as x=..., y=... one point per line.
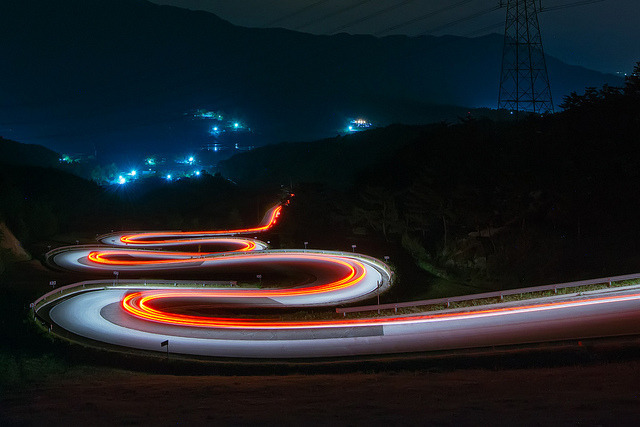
x=144, y=315
x=347, y=271
x=269, y=221
x=138, y=305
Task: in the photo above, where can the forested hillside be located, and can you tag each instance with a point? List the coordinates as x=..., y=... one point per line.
x=506, y=203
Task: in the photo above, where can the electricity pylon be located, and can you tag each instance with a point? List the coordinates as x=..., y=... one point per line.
x=524, y=82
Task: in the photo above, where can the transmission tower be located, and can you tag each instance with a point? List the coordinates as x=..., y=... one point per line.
x=524, y=82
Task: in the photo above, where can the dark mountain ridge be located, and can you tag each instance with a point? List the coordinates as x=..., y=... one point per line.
x=15, y=153
x=123, y=73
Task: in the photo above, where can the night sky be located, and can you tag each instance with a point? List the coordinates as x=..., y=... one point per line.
x=604, y=35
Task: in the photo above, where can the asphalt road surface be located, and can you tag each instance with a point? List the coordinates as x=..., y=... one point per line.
x=143, y=317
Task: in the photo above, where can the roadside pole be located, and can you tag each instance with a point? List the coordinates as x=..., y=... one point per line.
x=165, y=344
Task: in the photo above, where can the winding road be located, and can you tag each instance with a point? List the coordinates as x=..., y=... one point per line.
x=142, y=316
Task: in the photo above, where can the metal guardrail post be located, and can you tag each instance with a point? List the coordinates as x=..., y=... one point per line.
x=498, y=294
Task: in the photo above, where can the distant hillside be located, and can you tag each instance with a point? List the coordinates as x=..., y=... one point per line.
x=335, y=161
x=541, y=200
x=120, y=75
x=15, y=153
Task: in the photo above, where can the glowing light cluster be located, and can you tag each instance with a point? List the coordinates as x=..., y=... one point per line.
x=357, y=125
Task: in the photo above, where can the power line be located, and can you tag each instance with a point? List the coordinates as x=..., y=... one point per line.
x=433, y=13
x=268, y=4
x=296, y=12
x=457, y=21
x=422, y=17
x=373, y=15
x=483, y=29
x=501, y=24
x=332, y=14
x=568, y=5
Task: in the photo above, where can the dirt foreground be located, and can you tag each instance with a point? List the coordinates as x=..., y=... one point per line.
x=603, y=394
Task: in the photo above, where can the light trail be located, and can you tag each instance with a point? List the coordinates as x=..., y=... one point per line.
x=146, y=239
x=143, y=316
x=338, y=277
x=110, y=257
x=137, y=304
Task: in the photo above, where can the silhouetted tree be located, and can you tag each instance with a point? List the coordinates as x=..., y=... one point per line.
x=378, y=210
x=632, y=82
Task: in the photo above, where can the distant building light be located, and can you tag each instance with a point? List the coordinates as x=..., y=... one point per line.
x=236, y=124
x=191, y=159
x=121, y=180
x=133, y=173
x=357, y=125
x=197, y=173
x=169, y=176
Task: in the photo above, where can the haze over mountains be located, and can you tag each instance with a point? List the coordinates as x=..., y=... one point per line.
x=123, y=75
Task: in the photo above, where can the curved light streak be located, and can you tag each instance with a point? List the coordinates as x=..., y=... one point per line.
x=137, y=304
x=347, y=270
x=150, y=239
x=352, y=277
x=106, y=257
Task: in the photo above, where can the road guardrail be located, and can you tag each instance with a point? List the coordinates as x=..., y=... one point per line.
x=112, y=283
x=496, y=294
